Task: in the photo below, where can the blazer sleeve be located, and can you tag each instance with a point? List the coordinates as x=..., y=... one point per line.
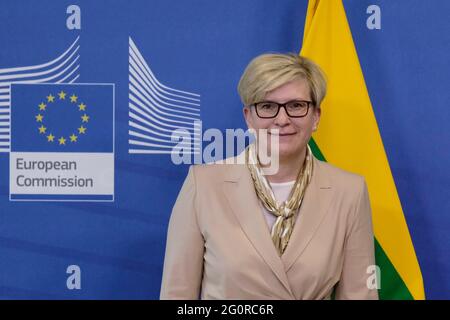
x=359, y=253
x=183, y=262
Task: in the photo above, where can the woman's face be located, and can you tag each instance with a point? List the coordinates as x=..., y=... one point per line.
x=294, y=133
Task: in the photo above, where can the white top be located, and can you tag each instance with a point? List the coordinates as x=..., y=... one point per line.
x=281, y=192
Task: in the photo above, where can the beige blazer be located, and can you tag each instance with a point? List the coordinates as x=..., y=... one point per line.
x=219, y=244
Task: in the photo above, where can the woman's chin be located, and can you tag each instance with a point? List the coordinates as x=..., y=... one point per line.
x=290, y=150
x=285, y=152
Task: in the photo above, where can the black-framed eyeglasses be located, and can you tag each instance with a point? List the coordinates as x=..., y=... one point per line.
x=294, y=109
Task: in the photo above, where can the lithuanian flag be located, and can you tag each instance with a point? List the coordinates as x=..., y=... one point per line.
x=348, y=137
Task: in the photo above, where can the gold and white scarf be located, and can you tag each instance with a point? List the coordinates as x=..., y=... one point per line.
x=285, y=211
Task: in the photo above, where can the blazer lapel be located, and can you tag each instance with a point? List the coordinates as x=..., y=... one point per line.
x=239, y=192
x=312, y=212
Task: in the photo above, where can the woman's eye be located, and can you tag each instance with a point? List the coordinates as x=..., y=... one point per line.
x=297, y=105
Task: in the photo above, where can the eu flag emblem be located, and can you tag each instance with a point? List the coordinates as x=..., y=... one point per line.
x=62, y=142
x=62, y=117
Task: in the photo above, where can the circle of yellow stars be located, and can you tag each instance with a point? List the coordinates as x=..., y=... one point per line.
x=73, y=138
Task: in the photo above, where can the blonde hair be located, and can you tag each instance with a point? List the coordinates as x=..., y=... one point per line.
x=269, y=71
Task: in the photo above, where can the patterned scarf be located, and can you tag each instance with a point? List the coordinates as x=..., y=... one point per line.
x=286, y=211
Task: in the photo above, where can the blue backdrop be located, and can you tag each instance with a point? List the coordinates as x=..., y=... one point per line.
x=201, y=47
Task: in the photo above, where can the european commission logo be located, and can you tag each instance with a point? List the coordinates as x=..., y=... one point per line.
x=62, y=142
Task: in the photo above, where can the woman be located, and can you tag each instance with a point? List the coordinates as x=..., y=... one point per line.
x=303, y=232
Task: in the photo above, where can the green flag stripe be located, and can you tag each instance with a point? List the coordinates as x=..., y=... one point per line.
x=315, y=150
x=392, y=285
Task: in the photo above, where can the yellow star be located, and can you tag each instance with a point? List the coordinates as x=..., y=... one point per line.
x=42, y=129
x=82, y=106
x=85, y=117
x=50, y=138
x=73, y=138
x=73, y=98
x=50, y=98
x=62, y=140
x=39, y=118
x=82, y=129
x=62, y=95
x=42, y=106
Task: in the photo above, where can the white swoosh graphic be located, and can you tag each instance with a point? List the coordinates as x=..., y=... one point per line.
x=63, y=69
x=156, y=111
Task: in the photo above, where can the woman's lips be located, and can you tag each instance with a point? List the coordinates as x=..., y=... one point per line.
x=282, y=134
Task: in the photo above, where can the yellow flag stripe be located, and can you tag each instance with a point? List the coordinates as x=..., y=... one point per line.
x=348, y=134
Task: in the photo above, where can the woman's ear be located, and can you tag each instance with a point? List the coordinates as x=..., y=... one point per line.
x=317, y=113
x=247, y=116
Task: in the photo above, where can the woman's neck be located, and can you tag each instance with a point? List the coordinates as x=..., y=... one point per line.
x=288, y=168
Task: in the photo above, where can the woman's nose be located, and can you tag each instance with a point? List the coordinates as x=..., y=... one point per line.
x=282, y=118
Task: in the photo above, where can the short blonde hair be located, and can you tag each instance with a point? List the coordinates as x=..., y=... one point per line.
x=269, y=71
